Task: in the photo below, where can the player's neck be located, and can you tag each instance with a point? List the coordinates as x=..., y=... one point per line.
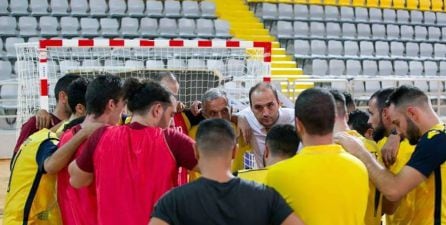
x=312, y=140
x=143, y=120
x=60, y=113
x=216, y=170
x=430, y=120
x=340, y=125
x=274, y=159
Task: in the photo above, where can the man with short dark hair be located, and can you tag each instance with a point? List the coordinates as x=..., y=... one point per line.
x=322, y=179
x=217, y=197
x=358, y=120
x=411, y=112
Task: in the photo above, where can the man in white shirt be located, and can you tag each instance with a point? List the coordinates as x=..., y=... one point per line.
x=264, y=112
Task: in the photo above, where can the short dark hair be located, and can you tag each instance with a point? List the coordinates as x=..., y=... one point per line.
x=76, y=92
x=341, y=107
x=215, y=136
x=348, y=99
x=381, y=97
x=408, y=94
x=262, y=85
x=358, y=120
x=103, y=88
x=282, y=140
x=315, y=108
x=141, y=95
x=63, y=82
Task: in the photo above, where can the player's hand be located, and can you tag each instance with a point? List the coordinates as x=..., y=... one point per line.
x=195, y=108
x=43, y=119
x=390, y=150
x=90, y=128
x=244, y=128
x=351, y=144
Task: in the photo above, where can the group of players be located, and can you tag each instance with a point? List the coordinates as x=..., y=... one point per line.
x=320, y=163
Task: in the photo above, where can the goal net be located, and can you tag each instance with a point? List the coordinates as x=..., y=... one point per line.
x=197, y=64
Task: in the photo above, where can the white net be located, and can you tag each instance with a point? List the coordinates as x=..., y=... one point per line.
x=197, y=69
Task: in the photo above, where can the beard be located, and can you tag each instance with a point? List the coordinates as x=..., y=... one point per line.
x=412, y=132
x=379, y=132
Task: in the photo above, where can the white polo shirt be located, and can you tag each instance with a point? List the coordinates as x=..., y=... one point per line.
x=286, y=116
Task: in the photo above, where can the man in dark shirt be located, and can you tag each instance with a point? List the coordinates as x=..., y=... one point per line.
x=61, y=112
x=217, y=197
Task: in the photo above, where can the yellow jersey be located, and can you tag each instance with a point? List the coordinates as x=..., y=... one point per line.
x=373, y=214
x=323, y=184
x=257, y=175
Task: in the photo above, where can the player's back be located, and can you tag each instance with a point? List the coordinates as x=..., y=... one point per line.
x=323, y=184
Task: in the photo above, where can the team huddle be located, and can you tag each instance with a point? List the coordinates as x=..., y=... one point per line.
x=128, y=152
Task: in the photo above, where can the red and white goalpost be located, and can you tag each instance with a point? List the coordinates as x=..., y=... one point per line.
x=198, y=65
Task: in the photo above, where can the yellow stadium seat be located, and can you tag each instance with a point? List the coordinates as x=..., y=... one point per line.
x=372, y=3
x=398, y=4
x=286, y=1
x=344, y=2
x=358, y=3
x=437, y=5
x=318, y=2
x=385, y=3
x=425, y=4
x=329, y=2
x=412, y=4
x=300, y=1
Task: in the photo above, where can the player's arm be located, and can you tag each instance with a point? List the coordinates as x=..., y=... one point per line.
x=182, y=148
x=292, y=220
x=157, y=221
x=43, y=119
x=393, y=187
x=390, y=149
x=389, y=207
x=78, y=177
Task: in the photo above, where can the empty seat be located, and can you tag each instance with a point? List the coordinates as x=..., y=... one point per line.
x=361, y=14
x=69, y=26
x=155, y=9
x=407, y=32
x=426, y=50
x=2, y=53
x=443, y=33
x=109, y=27
x=317, y=29
x=378, y=31
x=335, y=48
x=285, y=11
x=300, y=11
x=415, y=68
x=429, y=17
x=5, y=70
x=196, y=64
x=331, y=13
x=434, y=33
x=336, y=67
x=134, y=64
x=351, y=48
x=364, y=31
x=301, y=29
x=117, y=8
x=385, y=68
x=135, y=8
x=129, y=27
x=396, y=49
x=68, y=65
x=91, y=63
x=8, y=25
x=402, y=16
x=222, y=29
x=10, y=46
x=416, y=16
x=389, y=15
x=316, y=12
x=318, y=48
x=301, y=48
x=284, y=30
x=439, y=51
x=369, y=68
x=393, y=32
x=155, y=64
x=59, y=8
x=79, y=7
x=375, y=15
x=333, y=30
x=319, y=67
x=441, y=18
x=48, y=26
x=4, y=7
x=39, y=7
x=382, y=49
x=207, y=9
x=401, y=68
x=168, y=27
x=348, y=30
x=412, y=50
x=235, y=67
x=19, y=7
x=205, y=28
x=186, y=27
x=372, y=86
x=346, y=13
x=366, y=49
x=89, y=27
x=148, y=27
x=113, y=63
x=267, y=11
x=420, y=33
x=171, y=8
x=8, y=94
x=430, y=68
x=353, y=67
x=190, y=9
x=27, y=26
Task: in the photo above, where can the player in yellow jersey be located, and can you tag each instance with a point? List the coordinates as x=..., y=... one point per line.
x=281, y=144
x=410, y=110
x=374, y=206
x=322, y=183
